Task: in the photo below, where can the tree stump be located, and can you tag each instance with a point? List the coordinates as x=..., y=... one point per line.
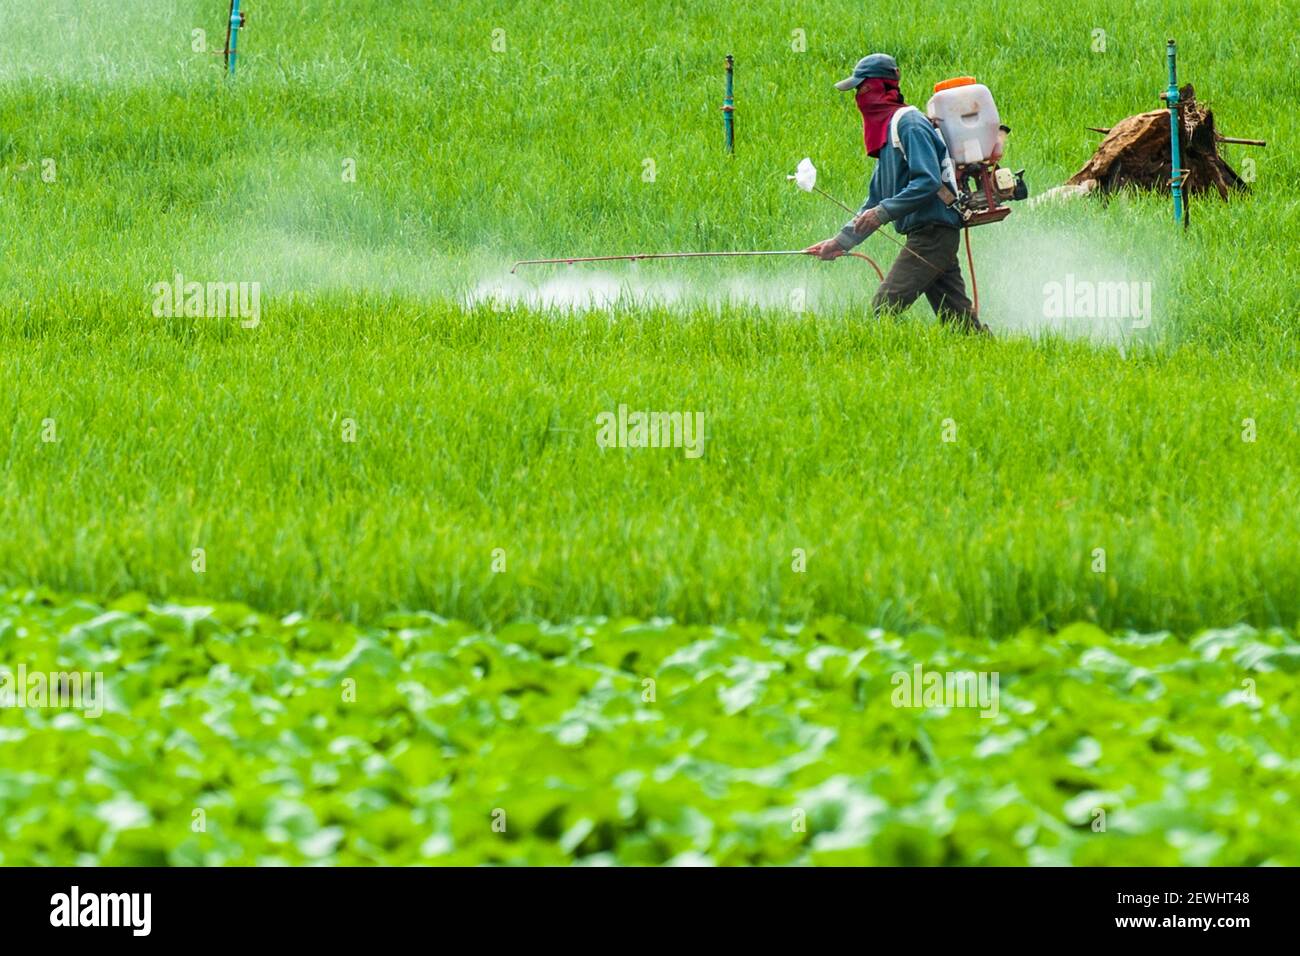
x=1135, y=152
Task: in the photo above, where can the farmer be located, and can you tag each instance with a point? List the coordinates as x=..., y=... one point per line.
x=905, y=191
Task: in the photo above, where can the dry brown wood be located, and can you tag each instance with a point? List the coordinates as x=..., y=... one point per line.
x=1135, y=152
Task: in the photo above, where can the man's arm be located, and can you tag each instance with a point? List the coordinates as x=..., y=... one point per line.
x=848, y=237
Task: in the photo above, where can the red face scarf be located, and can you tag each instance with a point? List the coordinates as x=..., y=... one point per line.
x=878, y=99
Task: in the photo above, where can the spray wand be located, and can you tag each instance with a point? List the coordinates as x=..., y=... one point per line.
x=637, y=257
x=805, y=177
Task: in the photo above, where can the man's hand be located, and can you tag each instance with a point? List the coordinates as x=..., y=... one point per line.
x=827, y=250
x=868, y=222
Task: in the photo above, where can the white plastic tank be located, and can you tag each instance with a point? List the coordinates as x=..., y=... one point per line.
x=967, y=118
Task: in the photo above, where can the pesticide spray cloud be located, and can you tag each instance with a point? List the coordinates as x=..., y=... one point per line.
x=1069, y=273
x=128, y=42
x=578, y=289
x=1069, y=270
x=1075, y=274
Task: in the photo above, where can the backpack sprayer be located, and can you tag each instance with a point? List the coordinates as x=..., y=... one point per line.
x=965, y=117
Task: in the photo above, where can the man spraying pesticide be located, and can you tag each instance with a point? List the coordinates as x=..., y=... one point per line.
x=917, y=187
x=933, y=178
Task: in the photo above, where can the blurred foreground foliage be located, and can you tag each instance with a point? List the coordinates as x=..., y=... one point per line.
x=306, y=741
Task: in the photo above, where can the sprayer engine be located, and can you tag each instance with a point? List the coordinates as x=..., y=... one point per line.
x=983, y=188
x=966, y=117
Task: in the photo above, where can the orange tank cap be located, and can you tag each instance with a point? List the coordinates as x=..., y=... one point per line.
x=955, y=81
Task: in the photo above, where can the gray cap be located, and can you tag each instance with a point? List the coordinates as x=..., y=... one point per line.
x=876, y=65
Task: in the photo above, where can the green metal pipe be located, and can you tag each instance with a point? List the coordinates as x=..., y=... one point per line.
x=1171, y=99
x=232, y=36
x=729, y=110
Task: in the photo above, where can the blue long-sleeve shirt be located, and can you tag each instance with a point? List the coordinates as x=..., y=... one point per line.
x=906, y=190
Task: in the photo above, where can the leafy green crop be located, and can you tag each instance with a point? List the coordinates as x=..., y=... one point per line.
x=759, y=746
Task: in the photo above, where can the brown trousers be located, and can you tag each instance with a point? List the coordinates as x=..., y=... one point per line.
x=934, y=271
